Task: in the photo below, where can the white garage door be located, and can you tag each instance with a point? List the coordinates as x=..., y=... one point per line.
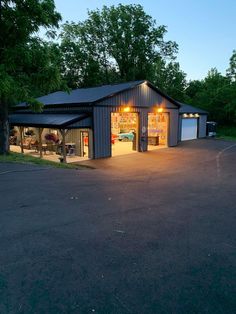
x=189, y=129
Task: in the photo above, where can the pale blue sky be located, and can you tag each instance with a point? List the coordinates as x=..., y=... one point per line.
x=205, y=30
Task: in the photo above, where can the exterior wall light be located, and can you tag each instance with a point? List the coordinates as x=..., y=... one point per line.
x=185, y=115
x=191, y=115
x=196, y=115
x=126, y=109
x=159, y=110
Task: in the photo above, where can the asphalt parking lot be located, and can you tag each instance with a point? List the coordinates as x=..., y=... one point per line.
x=145, y=233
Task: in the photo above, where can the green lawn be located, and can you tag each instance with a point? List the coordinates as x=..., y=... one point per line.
x=21, y=158
x=226, y=132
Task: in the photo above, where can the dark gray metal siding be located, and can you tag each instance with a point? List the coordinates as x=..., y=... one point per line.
x=173, y=127
x=102, y=132
x=140, y=96
x=202, y=126
x=179, y=128
x=143, y=136
x=91, y=155
x=85, y=123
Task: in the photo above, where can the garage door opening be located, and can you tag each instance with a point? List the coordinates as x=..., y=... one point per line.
x=189, y=129
x=84, y=142
x=124, y=133
x=158, y=124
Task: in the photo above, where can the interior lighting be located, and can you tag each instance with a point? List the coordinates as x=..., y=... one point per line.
x=160, y=110
x=126, y=109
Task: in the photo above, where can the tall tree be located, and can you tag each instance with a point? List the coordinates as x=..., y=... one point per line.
x=170, y=79
x=231, y=71
x=24, y=61
x=121, y=40
x=216, y=94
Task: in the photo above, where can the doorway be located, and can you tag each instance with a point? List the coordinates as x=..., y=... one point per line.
x=124, y=133
x=84, y=143
x=158, y=125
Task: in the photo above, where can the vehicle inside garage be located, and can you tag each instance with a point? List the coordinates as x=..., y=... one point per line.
x=124, y=133
x=157, y=130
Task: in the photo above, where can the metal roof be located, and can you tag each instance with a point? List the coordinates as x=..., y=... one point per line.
x=45, y=120
x=85, y=95
x=184, y=108
x=93, y=94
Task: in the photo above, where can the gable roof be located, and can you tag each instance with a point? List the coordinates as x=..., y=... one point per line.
x=184, y=108
x=93, y=94
x=85, y=95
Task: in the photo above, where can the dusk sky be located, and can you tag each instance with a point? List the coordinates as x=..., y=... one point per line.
x=205, y=30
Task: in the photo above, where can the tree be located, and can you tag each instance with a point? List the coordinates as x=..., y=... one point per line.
x=26, y=65
x=170, y=79
x=193, y=87
x=79, y=66
x=231, y=71
x=216, y=94
x=122, y=43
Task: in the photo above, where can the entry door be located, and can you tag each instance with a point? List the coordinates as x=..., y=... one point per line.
x=189, y=129
x=84, y=143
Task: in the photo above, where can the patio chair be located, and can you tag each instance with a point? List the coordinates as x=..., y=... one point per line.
x=34, y=145
x=27, y=142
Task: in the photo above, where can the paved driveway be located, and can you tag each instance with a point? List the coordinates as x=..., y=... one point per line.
x=145, y=233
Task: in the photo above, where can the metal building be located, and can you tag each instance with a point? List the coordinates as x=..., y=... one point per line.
x=109, y=120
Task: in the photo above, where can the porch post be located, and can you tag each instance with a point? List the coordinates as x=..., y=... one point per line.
x=21, y=139
x=63, y=134
x=40, y=142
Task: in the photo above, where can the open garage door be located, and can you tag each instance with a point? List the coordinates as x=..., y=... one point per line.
x=158, y=124
x=124, y=133
x=189, y=129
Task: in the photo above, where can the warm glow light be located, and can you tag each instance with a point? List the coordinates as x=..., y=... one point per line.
x=196, y=115
x=127, y=109
x=185, y=115
x=191, y=115
x=160, y=110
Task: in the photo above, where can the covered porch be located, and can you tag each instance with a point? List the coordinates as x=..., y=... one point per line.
x=55, y=137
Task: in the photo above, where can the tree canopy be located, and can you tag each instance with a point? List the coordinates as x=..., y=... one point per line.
x=26, y=62
x=120, y=43
x=216, y=94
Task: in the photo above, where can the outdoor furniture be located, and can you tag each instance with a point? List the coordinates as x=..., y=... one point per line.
x=70, y=149
x=51, y=147
x=35, y=145
x=13, y=140
x=26, y=142
x=29, y=142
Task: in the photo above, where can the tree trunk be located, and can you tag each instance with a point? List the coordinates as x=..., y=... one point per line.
x=4, y=129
